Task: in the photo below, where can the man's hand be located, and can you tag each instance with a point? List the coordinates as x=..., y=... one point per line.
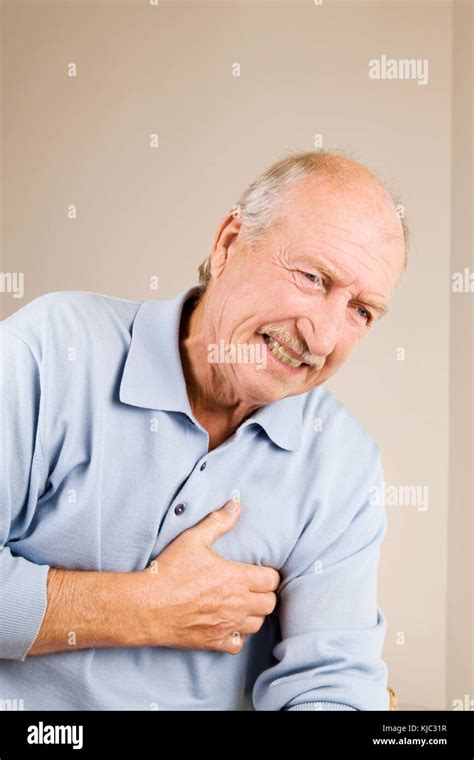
x=189, y=597
x=196, y=599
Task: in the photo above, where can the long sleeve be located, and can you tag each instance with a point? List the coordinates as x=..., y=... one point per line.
x=332, y=630
x=23, y=583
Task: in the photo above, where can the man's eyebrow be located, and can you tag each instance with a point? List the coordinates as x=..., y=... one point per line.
x=380, y=307
x=333, y=274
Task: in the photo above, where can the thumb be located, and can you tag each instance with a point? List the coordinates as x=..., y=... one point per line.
x=217, y=523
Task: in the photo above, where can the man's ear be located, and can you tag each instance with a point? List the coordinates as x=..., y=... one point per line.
x=224, y=241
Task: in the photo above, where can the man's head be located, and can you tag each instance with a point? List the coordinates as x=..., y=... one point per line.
x=306, y=264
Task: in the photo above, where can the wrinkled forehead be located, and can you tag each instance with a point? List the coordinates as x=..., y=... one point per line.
x=359, y=216
x=359, y=204
x=340, y=234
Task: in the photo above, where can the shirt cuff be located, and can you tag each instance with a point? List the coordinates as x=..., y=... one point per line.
x=23, y=588
x=320, y=706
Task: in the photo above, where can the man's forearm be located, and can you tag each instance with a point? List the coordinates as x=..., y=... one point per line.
x=91, y=609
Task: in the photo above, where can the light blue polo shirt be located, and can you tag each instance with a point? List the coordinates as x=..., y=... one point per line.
x=99, y=446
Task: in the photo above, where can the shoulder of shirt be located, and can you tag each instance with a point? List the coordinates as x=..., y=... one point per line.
x=328, y=421
x=56, y=311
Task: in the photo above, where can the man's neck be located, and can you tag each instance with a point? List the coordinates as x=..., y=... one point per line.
x=219, y=413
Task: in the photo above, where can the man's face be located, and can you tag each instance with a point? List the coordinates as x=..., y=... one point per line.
x=315, y=285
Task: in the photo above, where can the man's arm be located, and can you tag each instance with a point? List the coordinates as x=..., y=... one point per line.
x=45, y=609
x=22, y=583
x=175, y=602
x=92, y=609
x=39, y=605
x=332, y=631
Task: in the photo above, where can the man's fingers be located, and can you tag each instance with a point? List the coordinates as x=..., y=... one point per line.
x=261, y=578
x=216, y=523
x=236, y=639
x=261, y=603
x=253, y=624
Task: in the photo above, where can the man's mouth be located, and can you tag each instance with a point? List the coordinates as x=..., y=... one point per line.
x=282, y=353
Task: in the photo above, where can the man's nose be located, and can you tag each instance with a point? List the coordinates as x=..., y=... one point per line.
x=321, y=327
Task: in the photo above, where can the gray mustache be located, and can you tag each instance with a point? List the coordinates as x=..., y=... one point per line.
x=275, y=332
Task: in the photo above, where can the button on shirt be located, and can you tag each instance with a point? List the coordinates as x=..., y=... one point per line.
x=103, y=465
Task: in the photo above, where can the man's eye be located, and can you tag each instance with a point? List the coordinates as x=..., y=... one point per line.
x=363, y=313
x=313, y=278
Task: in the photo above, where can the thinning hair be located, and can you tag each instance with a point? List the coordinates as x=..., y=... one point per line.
x=260, y=205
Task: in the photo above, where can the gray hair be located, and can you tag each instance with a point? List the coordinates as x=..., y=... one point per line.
x=259, y=206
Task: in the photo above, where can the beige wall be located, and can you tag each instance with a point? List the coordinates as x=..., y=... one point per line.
x=146, y=212
x=460, y=624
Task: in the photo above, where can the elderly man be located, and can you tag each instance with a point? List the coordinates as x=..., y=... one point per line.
x=195, y=534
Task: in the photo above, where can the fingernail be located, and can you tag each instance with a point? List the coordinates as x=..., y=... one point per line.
x=231, y=506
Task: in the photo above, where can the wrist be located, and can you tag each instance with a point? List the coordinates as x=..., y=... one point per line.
x=142, y=613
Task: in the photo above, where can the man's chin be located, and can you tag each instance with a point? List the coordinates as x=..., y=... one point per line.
x=266, y=384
